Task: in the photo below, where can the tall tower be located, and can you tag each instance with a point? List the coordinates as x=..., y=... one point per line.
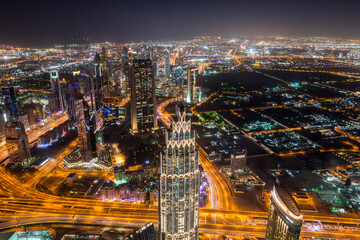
x=285, y=219
x=90, y=131
x=143, y=100
x=57, y=97
x=9, y=97
x=107, y=72
x=179, y=183
x=96, y=84
x=167, y=60
x=16, y=139
x=17, y=143
x=192, y=74
x=82, y=131
x=126, y=69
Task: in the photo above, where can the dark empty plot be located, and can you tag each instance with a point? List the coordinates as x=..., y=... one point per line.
x=241, y=80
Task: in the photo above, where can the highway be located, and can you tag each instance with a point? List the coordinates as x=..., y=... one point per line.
x=33, y=135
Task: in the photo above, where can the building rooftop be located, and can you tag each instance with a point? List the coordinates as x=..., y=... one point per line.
x=287, y=199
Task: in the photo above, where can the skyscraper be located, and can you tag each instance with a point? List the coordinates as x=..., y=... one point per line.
x=15, y=135
x=81, y=128
x=143, y=100
x=96, y=84
x=90, y=131
x=107, y=72
x=17, y=143
x=285, y=219
x=126, y=69
x=57, y=102
x=238, y=161
x=69, y=100
x=179, y=183
x=167, y=60
x=192, y=73
x=9, y=97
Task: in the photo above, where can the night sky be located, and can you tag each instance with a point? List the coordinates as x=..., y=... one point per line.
x=44, y=23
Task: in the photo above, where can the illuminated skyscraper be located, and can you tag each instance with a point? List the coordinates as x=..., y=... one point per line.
x=96, y=84
x=69, y=99
x=11, y=107
x=107, y=72
x=143, y=100
x=56, y=97
x=15, y=135
x=81, y=128
x=90, y=131
x=238, y=161
x=126, y=69
x=167, y=60
x=192, y=74
x=179, y=183
x=285, y=219
x=17, y=143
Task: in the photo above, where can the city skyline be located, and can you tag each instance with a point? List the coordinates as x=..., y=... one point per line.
x=197, y=134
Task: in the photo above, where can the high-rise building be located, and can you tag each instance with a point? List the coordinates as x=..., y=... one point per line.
x=107, y=72
x=96, y=85
x=56, y=99
x=179, y=183
x=126, y=69
x=238, y=161
x=17, y=143
x=81, y=128
x=15, y=134
x=69, y=100
x=192, y=73
x=285, y=219
x=90, y=131
x=167, y=60
x=11, y=107
x=143, y=100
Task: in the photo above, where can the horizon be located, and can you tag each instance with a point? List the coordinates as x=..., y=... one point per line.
x=44, y=23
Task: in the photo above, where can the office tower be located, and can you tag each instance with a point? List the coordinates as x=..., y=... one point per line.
x=179, y=183
x=107, y=72
x=56, y=101
x=238, y=161
x=81, y=128
x=11, y=107
x=192, y=73
x=167, y=60
x=147, y=232
x=96, y=85
x=143, y=100
x=285, y=219
x=126, y=69
x=90, y=131
x=17, y=143
x=69, y=100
